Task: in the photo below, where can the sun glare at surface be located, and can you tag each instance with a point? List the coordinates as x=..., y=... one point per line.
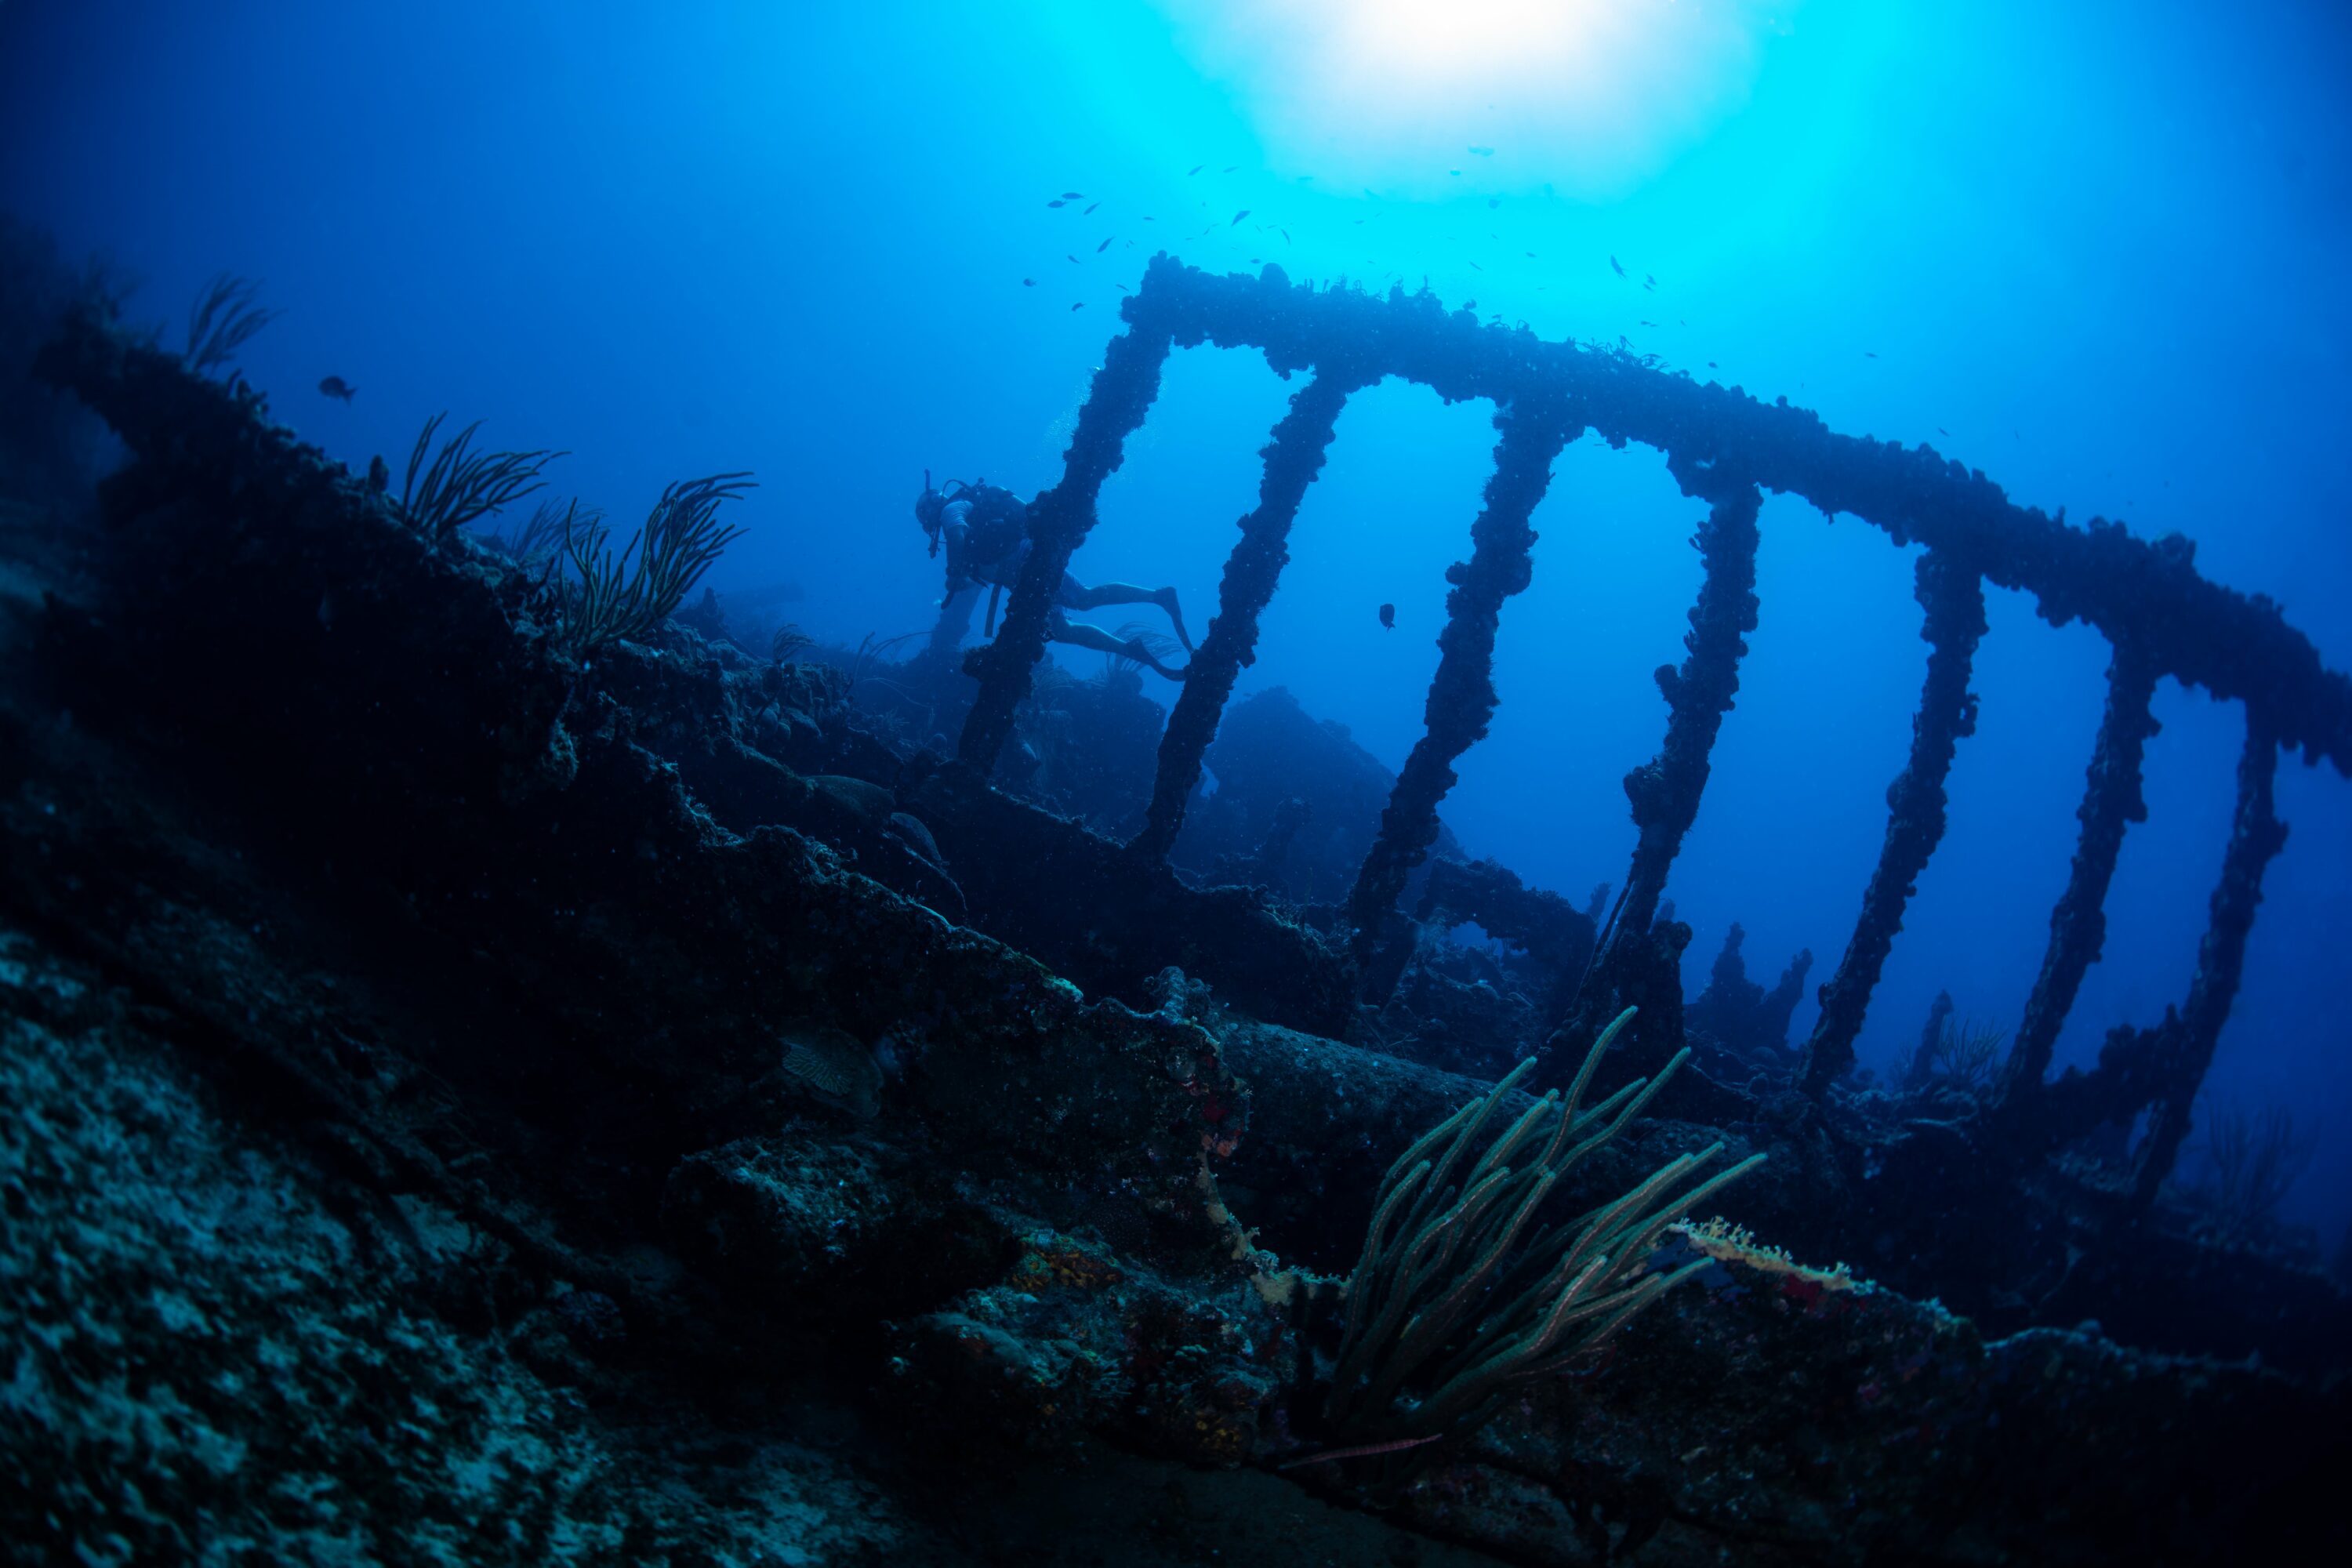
x=1430, y=40
x=1595, y=94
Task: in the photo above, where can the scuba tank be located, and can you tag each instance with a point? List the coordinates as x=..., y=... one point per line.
x=997, y=522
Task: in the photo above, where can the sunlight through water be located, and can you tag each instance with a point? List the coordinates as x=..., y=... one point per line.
x=1590, y=97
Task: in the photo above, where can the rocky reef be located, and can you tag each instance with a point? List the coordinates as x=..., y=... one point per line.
x=477, y=1098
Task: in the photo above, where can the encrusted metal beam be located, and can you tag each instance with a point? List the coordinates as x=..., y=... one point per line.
x=1665, y=791
x=2078, y=925
x=1293, y=459
x=1953, y=596
x=1462, y=694
x=1059, y=521
x=2256, y=834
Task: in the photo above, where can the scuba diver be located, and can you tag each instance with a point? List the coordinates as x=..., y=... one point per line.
x=985, y=531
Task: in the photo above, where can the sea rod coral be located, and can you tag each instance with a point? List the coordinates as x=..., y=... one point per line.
x=1449, y=1295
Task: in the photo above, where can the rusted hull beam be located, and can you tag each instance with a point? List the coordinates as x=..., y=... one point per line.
x=2234, y=645
x=1293, y=458
x=1953, y=596
x=1665, y=791
x=1462, y=694
x=1059, y=521
x=2112, y=799
x=2256, y=834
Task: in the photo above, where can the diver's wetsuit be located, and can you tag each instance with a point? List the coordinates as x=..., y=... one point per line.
x=966, y=566
x=991, y=550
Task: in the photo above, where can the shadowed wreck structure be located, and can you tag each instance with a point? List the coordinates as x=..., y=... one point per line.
x=717, y=1129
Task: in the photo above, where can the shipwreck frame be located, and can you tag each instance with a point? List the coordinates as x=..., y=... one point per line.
x=2159, y=614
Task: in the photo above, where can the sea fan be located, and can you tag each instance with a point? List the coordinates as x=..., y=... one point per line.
x=837, y=1066
x=224, y=318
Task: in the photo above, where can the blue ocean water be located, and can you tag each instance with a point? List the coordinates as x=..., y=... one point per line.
x=2096, y=253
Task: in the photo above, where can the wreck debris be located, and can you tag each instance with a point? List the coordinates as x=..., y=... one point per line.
x=1740, y=1016
x=1918, y=1070
x=1259, y=867
x=1953, y=595
x=1268, y=753
x=1556, y=936
x=1112, y=922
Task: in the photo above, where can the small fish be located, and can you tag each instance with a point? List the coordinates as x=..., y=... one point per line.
x=1238, y=216
x=1103, y=247
x=1149, y=218
x=1194, y=170
x=1616, y=268
x=1648, y=281
x=1058, y=202
x=1476, y=267
x=1028, y=282
x=1868, y=354
x=1068, y=257
x=1231, y=167
x=1074, y=196
x=1285, y=235
x=1079, y=306
x=1483, y=151
x=1090, y=210
x=1648, y=323
x=1494, y=201
x=1711, y=364
x=1531, y=256
x=336, y=386
x=1941, y=431
x=1650, y=287
x=1122, y=288
x=1368, y=191
x=1388, y=616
